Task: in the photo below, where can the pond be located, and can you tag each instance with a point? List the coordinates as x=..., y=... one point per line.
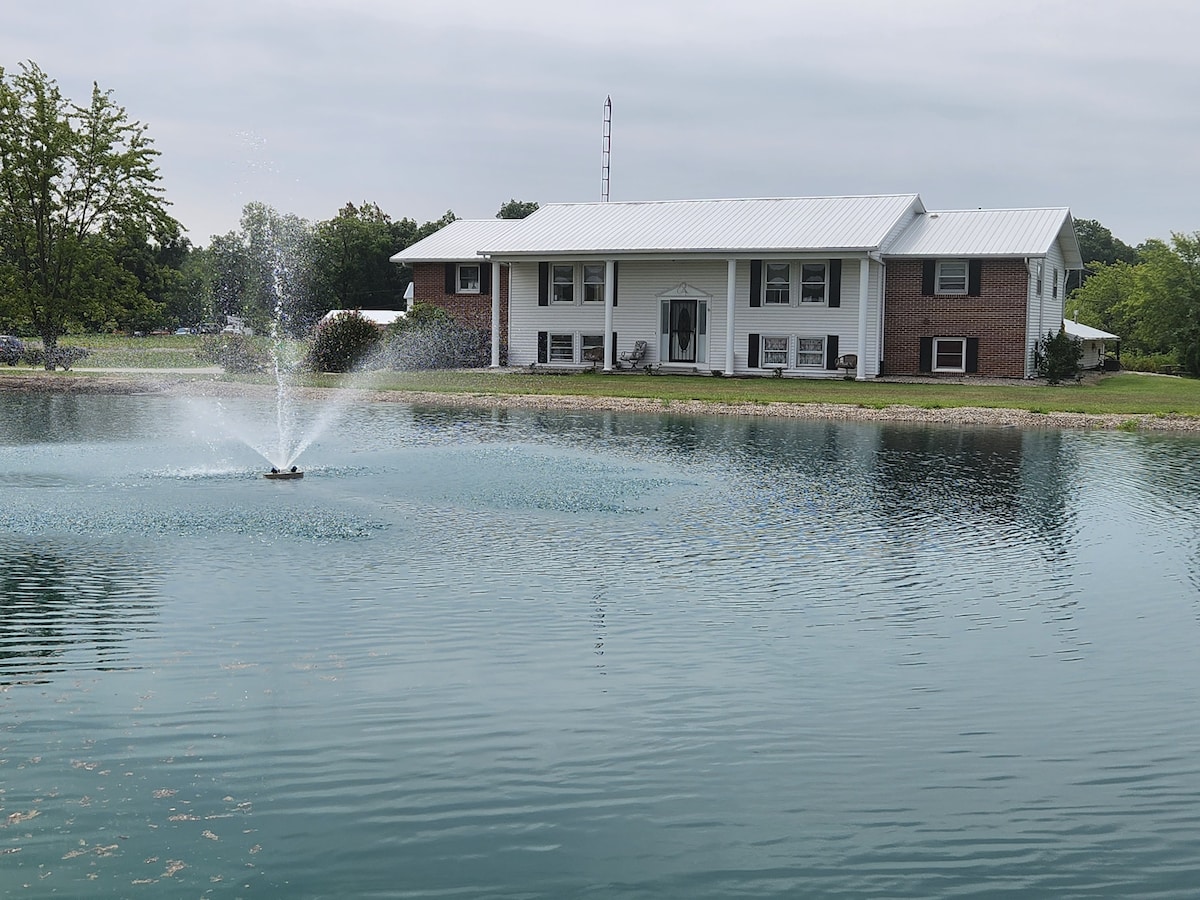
x=544, y=654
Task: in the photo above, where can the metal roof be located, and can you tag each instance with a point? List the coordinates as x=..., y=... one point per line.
x=990, y=232
x=707, y=226
x=1087, y=332
x=461, y=239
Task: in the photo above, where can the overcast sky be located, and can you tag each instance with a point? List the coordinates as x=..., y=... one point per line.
x=427, y=106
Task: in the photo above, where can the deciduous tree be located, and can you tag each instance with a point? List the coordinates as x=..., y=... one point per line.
x=68, y=172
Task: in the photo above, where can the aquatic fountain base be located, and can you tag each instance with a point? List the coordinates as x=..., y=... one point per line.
x=292, y=473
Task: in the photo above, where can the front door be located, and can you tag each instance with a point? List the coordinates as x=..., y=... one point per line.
x=682, y=320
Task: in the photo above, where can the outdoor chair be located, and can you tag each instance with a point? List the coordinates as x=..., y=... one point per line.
x=633, y=358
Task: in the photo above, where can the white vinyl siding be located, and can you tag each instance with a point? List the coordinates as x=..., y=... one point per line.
x=638, y=315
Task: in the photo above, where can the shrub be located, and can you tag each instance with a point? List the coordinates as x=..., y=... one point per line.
x=341, y=342
x=61, y=357
x=234, y=352
x=430, y=338
x=1057, y=356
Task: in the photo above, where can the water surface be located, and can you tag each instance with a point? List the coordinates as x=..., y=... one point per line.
x=544, y=655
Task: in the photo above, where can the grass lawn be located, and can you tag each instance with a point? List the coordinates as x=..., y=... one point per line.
x=1124, y=393
x=1121, y=394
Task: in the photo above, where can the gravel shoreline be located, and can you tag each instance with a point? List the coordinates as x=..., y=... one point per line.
x=969, y=415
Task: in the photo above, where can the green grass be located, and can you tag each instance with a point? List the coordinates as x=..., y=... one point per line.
x=1119, y=394
x=1124, y=394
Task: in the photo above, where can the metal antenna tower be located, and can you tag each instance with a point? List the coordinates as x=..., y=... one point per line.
x=607, y=149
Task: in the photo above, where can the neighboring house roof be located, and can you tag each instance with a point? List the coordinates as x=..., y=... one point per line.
x=378, y=316
x=990, y=232
x=1087, y=332
x=459, y=240
x=707, y=226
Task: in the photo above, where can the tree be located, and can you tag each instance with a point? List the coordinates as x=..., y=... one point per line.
x=1097, y=247
x=517, y=209
x=67, y=173
x=1155, y=305
x=351, y=260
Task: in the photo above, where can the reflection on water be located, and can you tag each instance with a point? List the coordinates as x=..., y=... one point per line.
x=548, y=654
x=69, y=607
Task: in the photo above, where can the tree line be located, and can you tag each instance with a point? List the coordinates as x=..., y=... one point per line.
x=87, y=243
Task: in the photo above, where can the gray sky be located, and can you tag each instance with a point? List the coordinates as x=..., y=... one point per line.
x=462, y=104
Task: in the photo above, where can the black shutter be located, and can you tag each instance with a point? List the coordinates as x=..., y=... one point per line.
x=831, y=351
x=752, y=352
x=972, y=354
x=616, y=266
x=974, y=271
x=756, y=284
x=543, y=284
x=485, y=278
x=543, y=347
x=928, y=274
x=451, y=278
x=614, y=349
x=926, y=355
x=835, y=282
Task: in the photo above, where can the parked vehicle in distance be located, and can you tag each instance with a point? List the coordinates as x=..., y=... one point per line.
x=183, y=331
x=11, y=349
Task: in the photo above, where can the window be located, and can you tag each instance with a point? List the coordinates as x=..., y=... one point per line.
x=810, y=352
x=949, y=354
x=777, y=289
x=563, y=284
x=468, y=279
x=773, y=352
x=1041, y=274
x=593, y=284
x=591, y=348
x=562, y=348
x=812, y=283
x=1054, y=285
x=952, y=276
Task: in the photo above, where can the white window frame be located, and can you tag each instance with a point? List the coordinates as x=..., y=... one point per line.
x=943, y=277
x=1054, y=288
x=775, y=357
x=557, y=296
x=1041, y=277
x=560, y=347
x=593, y=286
x=777, y=291
x=962, y=343
x=818, y=351
x=591, y=342
x=458, y=278
x=805, y=283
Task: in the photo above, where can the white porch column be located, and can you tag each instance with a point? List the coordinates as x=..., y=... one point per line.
x=610, y=274
x=864, y=290
x=730, y=306
x=495, y=315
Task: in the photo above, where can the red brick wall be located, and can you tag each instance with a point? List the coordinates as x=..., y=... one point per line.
x=474, y=310
x=997, y=317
